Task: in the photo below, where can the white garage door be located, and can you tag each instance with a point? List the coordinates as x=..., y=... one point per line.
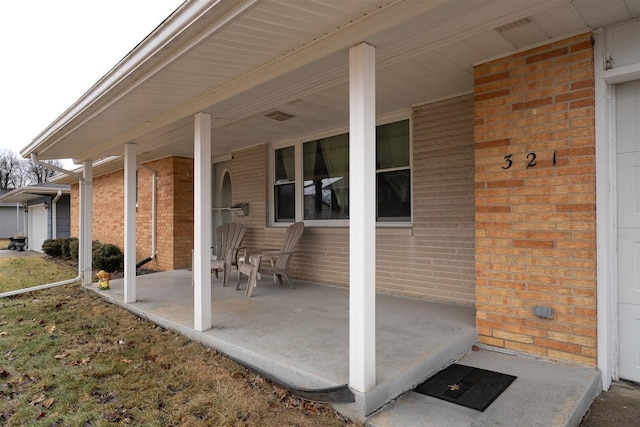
x=38, y=226
x=628, y=170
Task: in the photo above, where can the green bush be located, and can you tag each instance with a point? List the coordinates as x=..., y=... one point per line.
x=66, y=249
x=74, y=246
x=53, y=247
x=107, y=257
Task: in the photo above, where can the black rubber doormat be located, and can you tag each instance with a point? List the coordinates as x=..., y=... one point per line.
x=471, y=387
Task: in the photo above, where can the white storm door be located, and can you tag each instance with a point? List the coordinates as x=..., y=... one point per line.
x=628, y=195
x=38, y=227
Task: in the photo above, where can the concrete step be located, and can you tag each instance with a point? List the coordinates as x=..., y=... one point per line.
x=544, y=394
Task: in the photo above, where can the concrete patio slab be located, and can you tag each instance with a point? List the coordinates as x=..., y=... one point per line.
x=544, y=394
x=300, y=337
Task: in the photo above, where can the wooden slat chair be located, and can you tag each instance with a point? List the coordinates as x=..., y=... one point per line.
x=280, y=260
x=228, y=243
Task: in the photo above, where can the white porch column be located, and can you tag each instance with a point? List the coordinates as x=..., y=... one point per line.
x=86, y=223
x=129, y=222
x=362, y=215
x=202, y=223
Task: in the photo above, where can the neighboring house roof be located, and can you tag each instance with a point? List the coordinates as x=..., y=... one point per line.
x=241, y=60
x=32, y=192
x=5, y=204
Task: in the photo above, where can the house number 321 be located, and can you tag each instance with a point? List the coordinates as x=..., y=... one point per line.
x=531, y=160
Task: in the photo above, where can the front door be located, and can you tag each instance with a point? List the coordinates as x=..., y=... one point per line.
x=628, y=196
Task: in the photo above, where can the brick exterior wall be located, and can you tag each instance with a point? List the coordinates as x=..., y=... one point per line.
x=181, y=237
x=442, y=249
x=536, y=225
x=174, y=212
x=434, y=259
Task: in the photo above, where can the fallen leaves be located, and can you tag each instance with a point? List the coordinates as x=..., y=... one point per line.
x=104, y=397
x=98, y=351
x=121, y=414
x=37, y=399
x=80, y=362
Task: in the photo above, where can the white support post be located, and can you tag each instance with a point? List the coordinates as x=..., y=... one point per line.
x=362, y=218
x=130, y=167
x=202, y=223
x=86, y=223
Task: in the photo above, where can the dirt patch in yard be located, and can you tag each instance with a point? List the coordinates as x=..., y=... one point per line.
x=69, y=358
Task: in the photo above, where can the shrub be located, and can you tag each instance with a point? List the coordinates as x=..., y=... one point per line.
x=53, y=247
x=107, y=257
x=74, y=246
x=66, y=249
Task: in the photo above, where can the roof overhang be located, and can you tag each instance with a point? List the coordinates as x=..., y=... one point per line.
x=27, y=194
x=241, y=60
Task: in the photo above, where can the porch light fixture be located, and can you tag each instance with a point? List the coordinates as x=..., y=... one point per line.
x=46, y=205
x=279, y=116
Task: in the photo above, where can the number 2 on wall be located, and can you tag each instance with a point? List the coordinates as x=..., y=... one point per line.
x=532, y=160
x=531, y=157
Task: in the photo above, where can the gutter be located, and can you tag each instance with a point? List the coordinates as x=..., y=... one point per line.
x=54, y=215
x=41, y=287
x=35, y=161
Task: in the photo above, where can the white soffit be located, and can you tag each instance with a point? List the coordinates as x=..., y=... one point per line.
x=289, y=56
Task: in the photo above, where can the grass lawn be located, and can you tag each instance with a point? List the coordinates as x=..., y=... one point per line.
x=69, y=358
x=23, y=272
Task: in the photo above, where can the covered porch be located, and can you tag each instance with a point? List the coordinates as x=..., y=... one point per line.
x=300, y=338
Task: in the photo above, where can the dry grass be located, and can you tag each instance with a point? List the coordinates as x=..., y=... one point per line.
x=18, y=273
x=69, y=358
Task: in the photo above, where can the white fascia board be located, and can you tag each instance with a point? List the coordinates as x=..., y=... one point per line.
x=24, y=194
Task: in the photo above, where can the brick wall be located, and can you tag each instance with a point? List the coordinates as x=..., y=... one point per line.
x=174, y=212
x=535, y=226
x=434, y=259
x=181, y=236
x=439, y=262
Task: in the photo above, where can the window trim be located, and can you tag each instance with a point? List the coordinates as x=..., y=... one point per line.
x=297, y=143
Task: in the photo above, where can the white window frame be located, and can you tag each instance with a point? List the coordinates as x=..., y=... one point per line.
x=297, y=143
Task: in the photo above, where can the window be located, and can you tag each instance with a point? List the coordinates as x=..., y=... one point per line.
x=324, y=166
x=284, y=187
x=393, y=173
x=326, y=178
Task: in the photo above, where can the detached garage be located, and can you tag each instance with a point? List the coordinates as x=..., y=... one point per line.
x=48, y=212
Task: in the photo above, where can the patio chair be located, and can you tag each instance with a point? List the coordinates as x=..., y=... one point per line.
x=228, y=240
x=280, y=259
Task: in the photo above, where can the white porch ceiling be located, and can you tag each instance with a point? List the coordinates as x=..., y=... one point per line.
x=245, y=58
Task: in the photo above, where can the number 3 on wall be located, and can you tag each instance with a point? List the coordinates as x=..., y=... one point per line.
x=531, y=157
x=507, y=159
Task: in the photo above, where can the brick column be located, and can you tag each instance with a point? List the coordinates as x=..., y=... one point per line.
x=535, y=201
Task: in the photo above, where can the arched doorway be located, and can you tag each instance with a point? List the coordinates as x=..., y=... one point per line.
x=221, y=196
